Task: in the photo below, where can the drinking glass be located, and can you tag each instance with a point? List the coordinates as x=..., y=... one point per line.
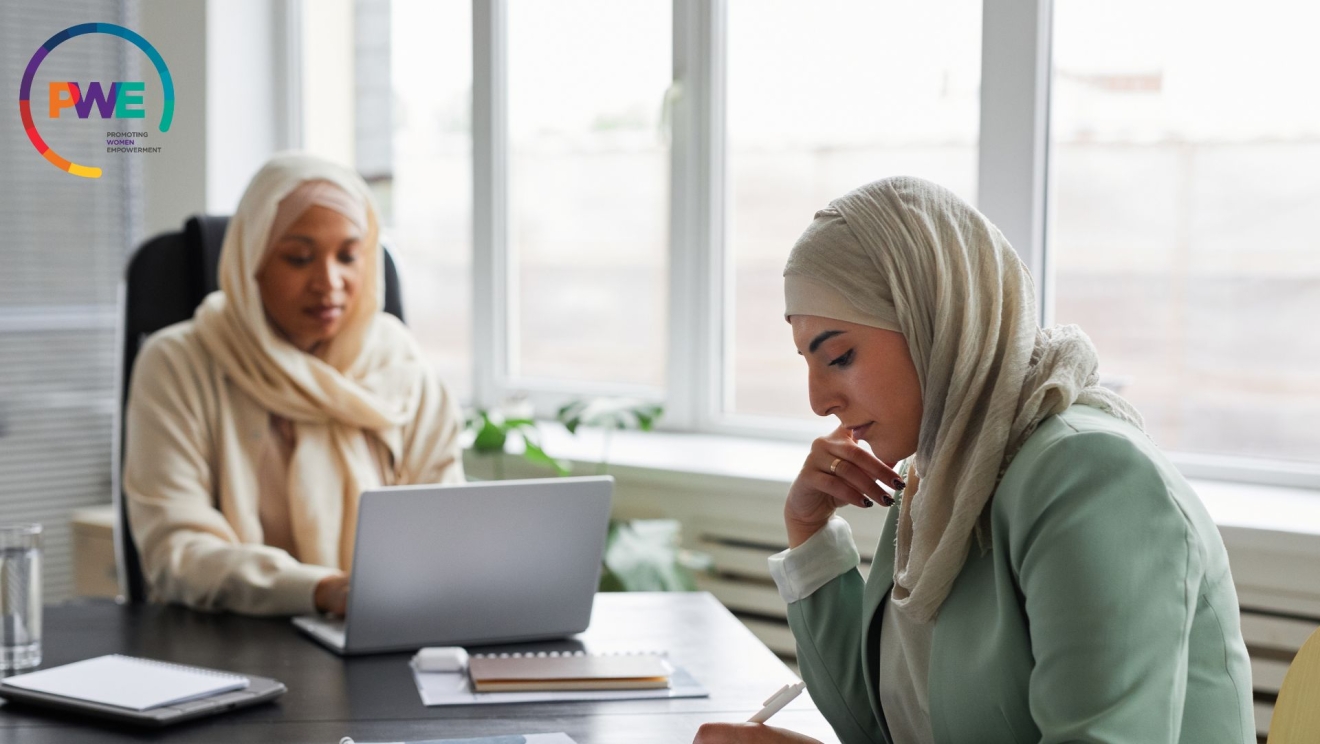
x=20, y=596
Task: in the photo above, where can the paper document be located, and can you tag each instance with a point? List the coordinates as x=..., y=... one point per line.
x=128, y=682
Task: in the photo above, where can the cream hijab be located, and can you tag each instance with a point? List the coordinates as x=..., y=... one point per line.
x=364, y=383
x=907, y=255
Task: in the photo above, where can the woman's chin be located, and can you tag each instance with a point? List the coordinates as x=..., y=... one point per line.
x=886, y=452
x=880, y=452
x=319, y=333
x=312, y=339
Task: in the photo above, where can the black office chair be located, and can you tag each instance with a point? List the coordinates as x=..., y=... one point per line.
x=166, y=280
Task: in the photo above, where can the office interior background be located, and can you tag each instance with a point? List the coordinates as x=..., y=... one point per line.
x=595, y=198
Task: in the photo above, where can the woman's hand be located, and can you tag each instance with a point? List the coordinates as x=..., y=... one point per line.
x=748, y=733
x=331, y=594
x=837, y=472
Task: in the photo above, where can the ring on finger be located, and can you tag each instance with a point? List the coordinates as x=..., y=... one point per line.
x=834, y=466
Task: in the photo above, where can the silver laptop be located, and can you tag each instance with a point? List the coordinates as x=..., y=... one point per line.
x=472, y=563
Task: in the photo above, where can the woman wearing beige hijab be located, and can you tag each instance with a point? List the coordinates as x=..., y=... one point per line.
x=253, y=428
x=1047, y=574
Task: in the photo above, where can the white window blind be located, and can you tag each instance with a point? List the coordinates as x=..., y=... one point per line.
x=65, y=241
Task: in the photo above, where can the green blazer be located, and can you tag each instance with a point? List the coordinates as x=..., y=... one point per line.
x=1102, y=611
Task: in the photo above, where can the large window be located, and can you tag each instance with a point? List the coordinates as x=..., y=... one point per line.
x=1186, y=182
x=430, y=197
x=816, y=108
x=588, y=190
x=387, y=89
x=642, y=169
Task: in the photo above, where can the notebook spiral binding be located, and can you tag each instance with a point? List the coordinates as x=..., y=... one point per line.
x=203, y=671
x=556, y=654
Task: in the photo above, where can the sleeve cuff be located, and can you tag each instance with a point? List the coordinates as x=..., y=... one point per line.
x=800, y=571
x=294, y=592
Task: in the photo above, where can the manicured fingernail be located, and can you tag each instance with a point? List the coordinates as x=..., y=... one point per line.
x=867, y=503
x=887, y=501
x=898, y=483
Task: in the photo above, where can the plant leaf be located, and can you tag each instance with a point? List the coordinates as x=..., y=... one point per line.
x=643, y=555
x=570, y=415
x=490, y=437
x=533, y=453
x=610, y=413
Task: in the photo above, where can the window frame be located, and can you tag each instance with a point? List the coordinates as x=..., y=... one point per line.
x=1012, y=188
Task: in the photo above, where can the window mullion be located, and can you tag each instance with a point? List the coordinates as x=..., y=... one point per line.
x=1015, y=78
x=490, y=183
x=698, y=328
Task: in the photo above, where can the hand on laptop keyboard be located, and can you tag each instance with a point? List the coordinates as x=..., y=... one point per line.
x=332, y=594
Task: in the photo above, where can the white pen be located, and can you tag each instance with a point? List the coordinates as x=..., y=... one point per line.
x=777, y=702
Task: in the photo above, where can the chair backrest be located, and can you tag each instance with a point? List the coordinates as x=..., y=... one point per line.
x=1296, y=718
x=167, y=278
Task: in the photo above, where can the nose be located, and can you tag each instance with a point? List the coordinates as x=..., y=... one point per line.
x=825, y=398
x=329, y=276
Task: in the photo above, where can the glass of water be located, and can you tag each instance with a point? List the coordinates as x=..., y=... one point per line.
x=20, y=596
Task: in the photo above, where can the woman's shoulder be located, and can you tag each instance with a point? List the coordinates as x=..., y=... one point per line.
x=1096, y=436
x=172, y=351
x=1085, y=453
x=176, y=338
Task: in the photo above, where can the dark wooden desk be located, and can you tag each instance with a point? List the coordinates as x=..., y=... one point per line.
x=374, y=699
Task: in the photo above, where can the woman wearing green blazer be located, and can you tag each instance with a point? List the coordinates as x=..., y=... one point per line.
x=1047, y=575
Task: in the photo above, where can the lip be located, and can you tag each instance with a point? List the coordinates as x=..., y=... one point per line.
x=859, y=431
x=325, y=313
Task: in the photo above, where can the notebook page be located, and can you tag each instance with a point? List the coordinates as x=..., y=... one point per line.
x=127, y=682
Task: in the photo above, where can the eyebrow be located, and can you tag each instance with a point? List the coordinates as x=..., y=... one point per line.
x=822, y=338
x=312, y=242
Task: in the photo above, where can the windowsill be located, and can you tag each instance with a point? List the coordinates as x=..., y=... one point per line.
x=675, y=452
x=1236, y=506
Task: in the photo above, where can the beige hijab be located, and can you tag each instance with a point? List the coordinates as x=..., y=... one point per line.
x=364, y=383
x=907, y=255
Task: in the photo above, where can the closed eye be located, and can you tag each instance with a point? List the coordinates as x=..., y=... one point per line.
x=844, y=360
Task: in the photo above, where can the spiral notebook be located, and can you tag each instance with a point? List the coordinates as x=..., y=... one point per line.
x=662, y=680
x=546, y=672
x=128, y=682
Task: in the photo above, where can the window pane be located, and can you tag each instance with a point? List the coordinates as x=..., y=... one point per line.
x=428, y=201
x=1185, y=182
x=589, y=189
x=821, y=101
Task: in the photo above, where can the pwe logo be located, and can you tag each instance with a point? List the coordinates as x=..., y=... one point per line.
x=117, y=104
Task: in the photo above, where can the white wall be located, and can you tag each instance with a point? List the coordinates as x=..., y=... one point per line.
x=242, y=116
x=175, y=179
x=229, y=61
x=328, y=80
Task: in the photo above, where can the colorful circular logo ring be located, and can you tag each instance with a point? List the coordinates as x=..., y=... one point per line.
x=25, y=91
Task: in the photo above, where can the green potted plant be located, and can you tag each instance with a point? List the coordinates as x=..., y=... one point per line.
x=640, y=554
x=610, y=415
x=493, y=430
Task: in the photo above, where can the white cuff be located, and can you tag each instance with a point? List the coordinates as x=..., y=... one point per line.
x=800, y=571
